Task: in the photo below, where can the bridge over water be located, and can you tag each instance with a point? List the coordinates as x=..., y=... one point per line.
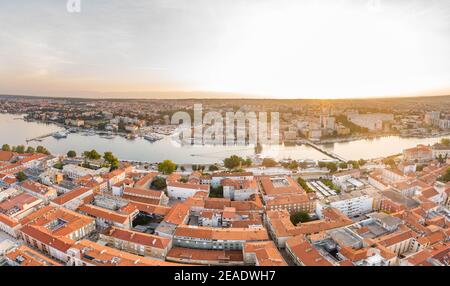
x=322, y=150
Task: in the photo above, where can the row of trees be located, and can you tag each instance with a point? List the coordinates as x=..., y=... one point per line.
x=330, y=184
x=304, y=186
x=352, y=126
x=235, y=162
x=21, y=149
x=333, y=167
x=167, y=167
x=111, y=161
x=329, y=165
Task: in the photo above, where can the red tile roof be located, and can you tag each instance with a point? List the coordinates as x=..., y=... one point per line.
x=138, y=237
x=67, y=197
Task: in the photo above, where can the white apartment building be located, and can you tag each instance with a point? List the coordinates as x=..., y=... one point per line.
x=218, y=177
x=75, y=172
x=236, y=190
x=340, y=178
x=371, y=121
x=432, y=117
x=353, y=204
x=182, y=191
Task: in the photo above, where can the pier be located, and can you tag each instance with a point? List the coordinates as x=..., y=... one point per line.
x=39, y=138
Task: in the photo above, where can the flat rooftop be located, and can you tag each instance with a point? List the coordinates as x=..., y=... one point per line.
x=344, y=236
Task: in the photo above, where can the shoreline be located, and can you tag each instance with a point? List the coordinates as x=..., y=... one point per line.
x=357, y=138
x=319, y=142
x=286, y=151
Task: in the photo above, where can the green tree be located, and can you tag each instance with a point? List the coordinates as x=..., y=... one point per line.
x=355, y=164
x=445, y=141
x=108, y=156
x=390, y=162
x=71, y=154
x=121, y=126
x=111, y=160
x=269, y=162
x=232, y=162
x=158, y=183
x=446, y=177
x=299, y=217
x=30, y=150
x=21, y=176
x=58, y=166
x=330, y=184
x=101, y=126
x=248, y=162
x=441, y=159
x=167, y=167
x=6, y=147
x=362, y=162
x=213, y=168
x=352, y=126
x=343, y=165
x=114, y=164
x=20, y=149
x=303, y=184
x=42, y=150
x=86, y=165
x=95, y=155
x=332, y=167
x=92, y=155
x=293, y=165
x=216, y=192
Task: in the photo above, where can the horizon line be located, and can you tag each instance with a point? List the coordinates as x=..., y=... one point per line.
x=238, y=96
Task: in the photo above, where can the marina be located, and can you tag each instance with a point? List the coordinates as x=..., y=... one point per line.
x=139, y=148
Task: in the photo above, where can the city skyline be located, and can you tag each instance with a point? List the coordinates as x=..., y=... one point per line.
x=282, y=49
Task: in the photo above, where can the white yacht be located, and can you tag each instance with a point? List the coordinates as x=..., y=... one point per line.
x=152, y=137
x=60, y=134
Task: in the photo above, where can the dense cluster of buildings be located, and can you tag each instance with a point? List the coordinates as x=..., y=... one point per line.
x=316, y=121
x=377, y=214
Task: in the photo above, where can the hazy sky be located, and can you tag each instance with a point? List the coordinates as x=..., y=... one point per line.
x=272, y=48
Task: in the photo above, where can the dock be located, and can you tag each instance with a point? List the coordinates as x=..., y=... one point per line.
x=39, y=138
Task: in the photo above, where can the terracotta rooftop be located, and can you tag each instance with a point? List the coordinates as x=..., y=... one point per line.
x=67, y=197
x=247, y=234
x=138, y=237
x=142, y=192
x=306, y=253
x=99, y=255
x=25, y=256
x=103, y=213
x=266, y=253
x=272, y=186
x=205, y=255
